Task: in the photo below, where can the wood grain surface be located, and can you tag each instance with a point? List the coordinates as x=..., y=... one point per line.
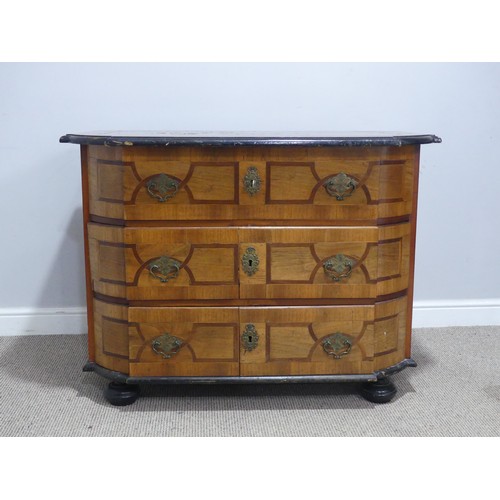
x=208, y=225
x=211, y=183
x=291, y=262
x=210, y=341
x=111, y=349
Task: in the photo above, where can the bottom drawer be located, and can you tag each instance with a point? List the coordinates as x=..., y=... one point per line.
x=324, y=340
x=309, y=341
x=184, y=341
x=250, y=341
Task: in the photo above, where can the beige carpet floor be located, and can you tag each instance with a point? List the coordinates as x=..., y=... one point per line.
x=454, y=391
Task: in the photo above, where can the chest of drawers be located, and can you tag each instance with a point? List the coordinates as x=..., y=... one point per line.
x=241, y=258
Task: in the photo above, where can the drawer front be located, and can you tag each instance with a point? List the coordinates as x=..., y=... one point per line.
x=249, y=341
x=322, y=340
x=249, y=263
x=308, y=341
x=347, y=185
x=339, y=188
x=160, y=184
x=171, y=263
x=349, y=263
x=164, y=263
x=181, y=342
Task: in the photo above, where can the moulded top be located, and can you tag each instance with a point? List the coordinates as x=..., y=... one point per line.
x=242, y=138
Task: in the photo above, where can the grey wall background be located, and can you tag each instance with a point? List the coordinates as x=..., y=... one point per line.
x=41, y=264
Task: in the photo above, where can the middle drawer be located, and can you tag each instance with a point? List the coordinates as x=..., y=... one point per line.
x=164, y=263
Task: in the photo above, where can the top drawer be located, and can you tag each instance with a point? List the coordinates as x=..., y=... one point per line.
x=347, y=186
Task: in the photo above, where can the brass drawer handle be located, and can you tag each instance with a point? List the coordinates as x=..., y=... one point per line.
x=166, y=345
x=250, y=338
x=250, y=261
x=338, y=267
x=251, y=181
x=164, y=268
x=162, y=187
x=340, y=186
x=337, y=345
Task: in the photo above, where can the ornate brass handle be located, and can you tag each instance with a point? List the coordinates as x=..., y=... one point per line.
x=162, y=187
x=250, y=338
x=164, y=268
x=340, y=186
x=337, y=345
x=251, y=181
x=338, y=267
x=166, y=345
x=250, y=261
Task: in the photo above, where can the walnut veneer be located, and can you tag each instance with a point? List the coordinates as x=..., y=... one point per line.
x=238, y=258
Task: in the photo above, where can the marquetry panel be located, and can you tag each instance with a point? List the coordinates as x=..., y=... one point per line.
x=106, y=170
x=200, y=183
x=396, y=180
x=119, y=185
x=207, y=260
x=290, y=340
x=111, y=336
x=209, y=341
x=393, y=258
x=390, y=332
x=210, y=183
x=121, y=260
x=107, y=260
x=292, y=262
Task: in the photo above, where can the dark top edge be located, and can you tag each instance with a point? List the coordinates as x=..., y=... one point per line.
x=251, y=139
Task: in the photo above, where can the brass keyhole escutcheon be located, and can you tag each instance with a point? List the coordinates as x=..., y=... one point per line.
x=250, y=261
x=250, y=338
x=251, y=181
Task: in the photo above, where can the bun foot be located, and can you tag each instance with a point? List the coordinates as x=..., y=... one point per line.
x=121, y=394
x=381, y=391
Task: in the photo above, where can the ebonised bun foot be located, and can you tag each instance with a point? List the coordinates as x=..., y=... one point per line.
x=121, y=394
x=381, y=391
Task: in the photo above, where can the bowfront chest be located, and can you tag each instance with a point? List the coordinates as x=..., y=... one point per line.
x=242, y=258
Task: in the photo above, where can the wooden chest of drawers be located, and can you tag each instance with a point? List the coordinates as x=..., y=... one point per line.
x=249, y=257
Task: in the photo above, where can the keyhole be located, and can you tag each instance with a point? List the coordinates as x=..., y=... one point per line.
x=250, y=262
x=250, y=338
